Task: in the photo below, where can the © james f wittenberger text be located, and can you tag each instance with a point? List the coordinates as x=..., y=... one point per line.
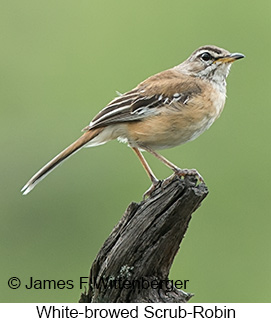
x=105, y=283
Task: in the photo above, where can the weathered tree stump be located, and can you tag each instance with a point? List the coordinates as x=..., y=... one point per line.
x=134, y=262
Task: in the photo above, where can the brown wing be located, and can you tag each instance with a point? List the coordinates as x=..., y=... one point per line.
x=165, y=88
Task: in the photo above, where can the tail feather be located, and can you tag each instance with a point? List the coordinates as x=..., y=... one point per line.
x=60, y=158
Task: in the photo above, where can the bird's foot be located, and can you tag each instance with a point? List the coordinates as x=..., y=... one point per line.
x=179, y=172
x=189, y=172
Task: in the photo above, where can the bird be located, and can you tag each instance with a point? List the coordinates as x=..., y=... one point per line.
x=167, y=109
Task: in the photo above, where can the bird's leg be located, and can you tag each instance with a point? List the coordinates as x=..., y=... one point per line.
x=148, y=170
x=178, y=171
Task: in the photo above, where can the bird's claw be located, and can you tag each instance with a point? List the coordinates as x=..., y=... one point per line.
x=179, y=172
x=189, y=172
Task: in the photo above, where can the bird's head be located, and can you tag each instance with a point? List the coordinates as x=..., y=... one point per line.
x=209, y=62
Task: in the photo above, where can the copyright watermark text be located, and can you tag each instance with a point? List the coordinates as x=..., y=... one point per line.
x=104, y=283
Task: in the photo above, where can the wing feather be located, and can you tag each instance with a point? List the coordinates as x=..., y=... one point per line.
x=166, y=88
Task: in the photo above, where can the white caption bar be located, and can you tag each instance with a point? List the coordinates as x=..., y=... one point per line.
x=230, y=312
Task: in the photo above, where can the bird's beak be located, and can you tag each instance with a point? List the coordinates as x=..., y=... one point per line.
x=230, y=58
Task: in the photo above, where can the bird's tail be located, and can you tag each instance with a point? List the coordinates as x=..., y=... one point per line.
x=60, y=158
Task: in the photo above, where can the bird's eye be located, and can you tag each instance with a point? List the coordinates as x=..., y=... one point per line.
x=206, y=56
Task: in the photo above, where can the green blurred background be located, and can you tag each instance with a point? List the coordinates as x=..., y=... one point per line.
x=61, y=61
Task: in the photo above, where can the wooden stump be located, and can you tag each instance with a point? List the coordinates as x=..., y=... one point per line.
x=134, y=262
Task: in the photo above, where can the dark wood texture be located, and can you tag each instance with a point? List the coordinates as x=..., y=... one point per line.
x=134, y=262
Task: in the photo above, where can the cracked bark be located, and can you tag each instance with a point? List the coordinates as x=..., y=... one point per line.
x=140, y=250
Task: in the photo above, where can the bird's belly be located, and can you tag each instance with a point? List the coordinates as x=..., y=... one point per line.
x=166, y=132
x=173, y=127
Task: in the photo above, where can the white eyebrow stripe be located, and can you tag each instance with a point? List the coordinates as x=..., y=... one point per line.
x=201, y=52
